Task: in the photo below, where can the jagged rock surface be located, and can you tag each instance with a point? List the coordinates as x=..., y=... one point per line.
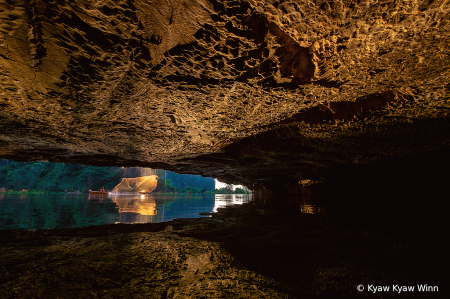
x=246, y=91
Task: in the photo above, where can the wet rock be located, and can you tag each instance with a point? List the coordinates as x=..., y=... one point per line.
x=265, y=256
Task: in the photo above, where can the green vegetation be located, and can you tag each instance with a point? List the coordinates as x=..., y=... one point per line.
x=229, y=191
x=40, y=177
x=57, y=177
x=182, y=183
x=166, y=186
x=22, y=192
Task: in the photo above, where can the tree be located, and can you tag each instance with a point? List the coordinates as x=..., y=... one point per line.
x=60, y=177
x=239, y=191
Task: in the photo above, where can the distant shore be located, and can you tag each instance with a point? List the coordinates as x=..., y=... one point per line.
x=21, y=191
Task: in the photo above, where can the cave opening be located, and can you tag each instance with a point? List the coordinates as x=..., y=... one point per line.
x=43, y=195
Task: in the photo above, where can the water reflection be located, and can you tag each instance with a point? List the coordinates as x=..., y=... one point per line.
x=223, y=200
x=141, y=204
x=298, y=198
x=41, y=211
x=151, y=208
x=310, y=201
x=312, y=208
x=136, y=208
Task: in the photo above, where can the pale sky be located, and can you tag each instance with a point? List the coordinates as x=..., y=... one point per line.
x=222, y=185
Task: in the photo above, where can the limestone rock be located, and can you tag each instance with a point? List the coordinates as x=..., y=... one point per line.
x=247, y=91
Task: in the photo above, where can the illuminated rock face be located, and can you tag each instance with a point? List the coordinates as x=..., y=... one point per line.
x=245, y=91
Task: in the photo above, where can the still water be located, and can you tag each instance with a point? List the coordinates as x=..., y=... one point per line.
x=41, y=211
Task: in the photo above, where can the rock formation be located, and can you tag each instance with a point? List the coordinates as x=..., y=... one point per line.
x=251, y=91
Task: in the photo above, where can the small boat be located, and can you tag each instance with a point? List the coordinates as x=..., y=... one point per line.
x=97, y=192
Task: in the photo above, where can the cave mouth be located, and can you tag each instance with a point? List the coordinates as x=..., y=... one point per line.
x=409, y=194
x=43, y=195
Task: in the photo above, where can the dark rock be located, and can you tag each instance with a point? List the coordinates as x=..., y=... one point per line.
x=251, y=256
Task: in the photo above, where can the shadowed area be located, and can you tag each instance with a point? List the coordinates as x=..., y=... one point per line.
x=241, y=252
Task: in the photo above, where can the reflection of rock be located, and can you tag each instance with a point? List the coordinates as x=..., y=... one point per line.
x=141, y=204
x=300, y=254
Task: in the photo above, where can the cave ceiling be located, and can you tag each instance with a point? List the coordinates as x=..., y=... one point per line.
x=245, y=91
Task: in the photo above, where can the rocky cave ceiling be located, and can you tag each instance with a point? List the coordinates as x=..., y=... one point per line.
x=245, y=91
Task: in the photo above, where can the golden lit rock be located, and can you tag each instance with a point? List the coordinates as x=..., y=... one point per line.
x=246, y=91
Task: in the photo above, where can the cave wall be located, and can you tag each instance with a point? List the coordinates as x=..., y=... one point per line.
x=251, y=92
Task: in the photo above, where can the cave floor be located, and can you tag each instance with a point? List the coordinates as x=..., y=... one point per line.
x=239, y=253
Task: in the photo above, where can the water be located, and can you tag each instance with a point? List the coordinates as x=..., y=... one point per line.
x=41, y=211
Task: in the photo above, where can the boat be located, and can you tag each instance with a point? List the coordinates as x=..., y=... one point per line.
x=98, y=192
x=144, y=192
